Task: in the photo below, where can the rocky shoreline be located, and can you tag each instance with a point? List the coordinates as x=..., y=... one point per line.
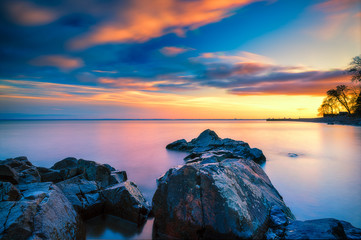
x=53, y=203
x=221, y=192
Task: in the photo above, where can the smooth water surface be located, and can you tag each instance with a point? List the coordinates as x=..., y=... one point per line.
x=323, y=181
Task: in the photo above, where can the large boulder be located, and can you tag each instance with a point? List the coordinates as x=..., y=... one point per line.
x=228, y=199
x=208, y=140
x=43, y=212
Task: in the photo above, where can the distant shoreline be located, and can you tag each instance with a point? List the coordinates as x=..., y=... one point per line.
x=135, y=119
x=338, y=120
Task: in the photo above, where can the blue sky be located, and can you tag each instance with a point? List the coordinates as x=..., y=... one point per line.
x=173, y=58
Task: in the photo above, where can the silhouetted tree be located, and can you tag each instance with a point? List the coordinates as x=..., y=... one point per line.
x=341, y=94
x=355, y=71
x=329, y=106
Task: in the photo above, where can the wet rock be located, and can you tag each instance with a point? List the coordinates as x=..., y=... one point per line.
x=8, y=174
x=9, y=192
x=83, y=195
x=230, y=199
x=18, y=170
x=93, y=171
x=327, y=228
x=126, y=201
x=50, y=175
x=83, y=189
x=33, y=216
x=117, y=177
x=179, y=145
x=208, y=140
x=293, y=155
x=66, y=163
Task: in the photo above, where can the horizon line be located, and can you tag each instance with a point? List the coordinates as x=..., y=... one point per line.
x=129, y=119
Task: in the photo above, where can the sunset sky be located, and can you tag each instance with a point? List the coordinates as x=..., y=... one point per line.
x=173, y=58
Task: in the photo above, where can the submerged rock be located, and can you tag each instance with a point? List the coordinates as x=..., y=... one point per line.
x=293, y=155
x=231, y=199
x=208, y=140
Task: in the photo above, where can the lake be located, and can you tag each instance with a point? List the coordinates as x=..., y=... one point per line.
x=323, y=181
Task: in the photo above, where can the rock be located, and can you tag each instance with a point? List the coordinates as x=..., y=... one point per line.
x=126, y=201
x=50, y=175
x=230, y=199
x=208, y=140
x=66, y=163
x=8, y=192
x=83, y=195
x=94, y=171
x=278, y=217
x=179, y=145
x=327, y=228
x=293, y=155
x=8, y=174
x=18, y=170
x=83, y=189
x=33, y=216
x=117, y=177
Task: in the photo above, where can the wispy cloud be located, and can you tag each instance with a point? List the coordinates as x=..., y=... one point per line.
x=173, y=51
x=28, y=14
x=59, y=61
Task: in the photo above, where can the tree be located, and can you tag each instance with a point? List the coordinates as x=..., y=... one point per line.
x=355, y=71
x=342, y=96
x=329, y=106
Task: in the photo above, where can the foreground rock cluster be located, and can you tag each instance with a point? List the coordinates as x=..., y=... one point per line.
x=52, y=203
x=220, y=193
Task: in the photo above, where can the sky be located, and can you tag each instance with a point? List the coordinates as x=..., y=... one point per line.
x=173, y=59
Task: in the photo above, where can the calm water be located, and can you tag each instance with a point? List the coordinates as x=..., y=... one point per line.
x=324, y=181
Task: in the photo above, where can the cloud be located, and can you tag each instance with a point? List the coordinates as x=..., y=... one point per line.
x=236, y=57
x=173, y=51
x=338, y=19
x=336, y=5
x=59, y=61
x=244, y=76
x=28, y=14
x=143, y=20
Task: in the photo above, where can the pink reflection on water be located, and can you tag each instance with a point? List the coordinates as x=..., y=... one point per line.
x=323, y=181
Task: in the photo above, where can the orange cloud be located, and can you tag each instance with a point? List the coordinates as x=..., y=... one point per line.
x=129, y=83
x=62, y=62
x=173, y=51
x=149, y=19
x=26, y=13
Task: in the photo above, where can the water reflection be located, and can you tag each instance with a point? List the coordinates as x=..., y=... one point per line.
x=323, y=181
x=117, y=228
